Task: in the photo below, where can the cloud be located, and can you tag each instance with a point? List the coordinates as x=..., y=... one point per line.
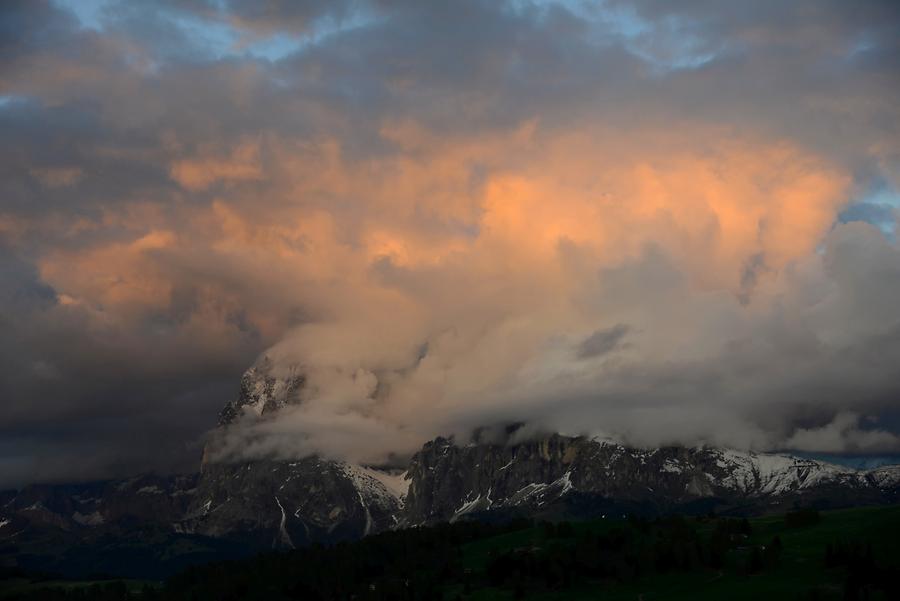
x=841, y=434
x=703, y=367
x=602, y=341
x=609, y=218
x=57, y=177
x=196, y=174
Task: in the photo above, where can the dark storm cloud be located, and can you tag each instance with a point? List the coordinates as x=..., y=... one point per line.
x=182, y=183
x=87, y=401
x=602, y=341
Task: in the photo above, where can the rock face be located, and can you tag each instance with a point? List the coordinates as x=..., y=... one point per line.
x=292, y=503
x=287, y=503
x=558, y=476
x=262, y=392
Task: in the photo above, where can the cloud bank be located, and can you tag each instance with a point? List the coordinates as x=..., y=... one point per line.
x=666, y=224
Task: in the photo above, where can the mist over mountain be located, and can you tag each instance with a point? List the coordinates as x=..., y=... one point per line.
x=152, y=526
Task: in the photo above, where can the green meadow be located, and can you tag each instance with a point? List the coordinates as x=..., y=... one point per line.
x=841, y=555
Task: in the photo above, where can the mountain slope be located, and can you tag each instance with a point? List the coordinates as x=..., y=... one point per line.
x=286, y=504
x=585, y=477
x=550, y=475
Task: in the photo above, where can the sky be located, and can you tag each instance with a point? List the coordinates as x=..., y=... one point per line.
x=667, y=223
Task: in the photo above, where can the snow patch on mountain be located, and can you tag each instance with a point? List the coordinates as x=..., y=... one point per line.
x=886, y=477
x=777, y=474
x=673, y=467
x=522, y=495
x=285, y=538
x=476, y=504
x=375, y=486
x=91, y=519
x=396, y=481
x=263, y=392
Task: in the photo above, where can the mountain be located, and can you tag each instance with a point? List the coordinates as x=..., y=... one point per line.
x=121, y=527
x=287, y=503
x=561, y=476
x=263, y=391
x=293, y=503
x=553, y=476
x=110, y=506
x=266, y=504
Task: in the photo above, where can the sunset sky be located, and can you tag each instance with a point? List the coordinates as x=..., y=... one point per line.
x=664, y=222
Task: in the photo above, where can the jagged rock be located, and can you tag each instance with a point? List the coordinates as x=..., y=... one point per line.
x=262, y=392
x=293, y=503
x=287, y=503
x=580, y=477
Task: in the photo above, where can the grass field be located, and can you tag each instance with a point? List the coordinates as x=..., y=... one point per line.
x=16, y=586
x=801, y=567
x=800, y=572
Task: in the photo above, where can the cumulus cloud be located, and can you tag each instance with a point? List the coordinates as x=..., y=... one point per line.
x=841, y=434
x=611, y=218
x=196, y=174
x=700, y=366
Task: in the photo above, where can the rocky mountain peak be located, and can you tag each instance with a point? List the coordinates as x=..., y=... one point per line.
x=263, y=392
x=287, y=503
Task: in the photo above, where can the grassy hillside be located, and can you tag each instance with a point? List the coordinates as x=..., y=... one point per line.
x=799, y=573
x=848, y=554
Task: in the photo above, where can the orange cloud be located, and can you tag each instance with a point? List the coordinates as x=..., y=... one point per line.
x=499, y=204
x=121, y=277
x=493, y=249
x=200, y=172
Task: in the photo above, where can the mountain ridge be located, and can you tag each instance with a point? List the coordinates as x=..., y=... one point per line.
x=334, y=500
x=277, y=503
